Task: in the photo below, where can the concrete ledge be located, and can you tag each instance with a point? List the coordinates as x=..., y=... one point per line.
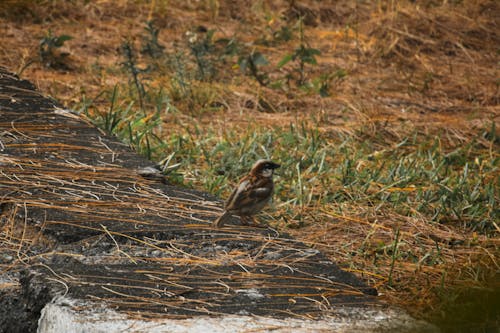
x=62, y=316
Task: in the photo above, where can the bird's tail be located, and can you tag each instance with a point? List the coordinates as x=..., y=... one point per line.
x=221, y=220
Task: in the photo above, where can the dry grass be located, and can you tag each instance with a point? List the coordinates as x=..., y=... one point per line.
x=424, y=68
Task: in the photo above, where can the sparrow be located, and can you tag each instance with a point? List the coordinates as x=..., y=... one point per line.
x=252, y=193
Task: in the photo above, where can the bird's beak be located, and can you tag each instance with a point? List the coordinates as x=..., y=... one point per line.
x=276, y=166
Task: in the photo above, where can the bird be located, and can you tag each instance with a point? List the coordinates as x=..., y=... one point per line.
x=252, y=193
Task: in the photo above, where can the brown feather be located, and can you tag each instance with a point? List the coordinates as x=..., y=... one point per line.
x=252, y=193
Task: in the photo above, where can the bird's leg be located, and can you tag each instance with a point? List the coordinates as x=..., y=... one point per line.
x=250, y=221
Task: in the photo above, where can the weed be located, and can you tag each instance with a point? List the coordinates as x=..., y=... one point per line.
x=323, y=83
x=201, y=49
x=50, y=53
x=151, y=45
x=229, y=47
x=250, y=64
x=130, y=65
x=285, y=34
x=275, y=37
x=181, y=81
x=303, y=54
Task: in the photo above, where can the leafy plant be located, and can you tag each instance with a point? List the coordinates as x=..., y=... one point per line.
x=285, y=34
x=181, y=87
x=227, y=47
x=49, y=50
x=323, y=83
x=201, y=50
x=151, y=45
x=250, y=64
x=303, y=55
x=272, y=37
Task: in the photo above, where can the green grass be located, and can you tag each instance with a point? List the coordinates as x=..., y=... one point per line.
x=420, y=176
x=417, y=177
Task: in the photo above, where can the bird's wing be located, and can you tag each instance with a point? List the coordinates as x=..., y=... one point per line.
x=248, y=193
x=261, y=191
x=237, y=193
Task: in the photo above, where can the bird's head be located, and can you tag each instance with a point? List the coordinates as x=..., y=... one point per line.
x=264, y=168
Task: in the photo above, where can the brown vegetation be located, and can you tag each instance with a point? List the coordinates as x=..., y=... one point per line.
x=424, y=68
